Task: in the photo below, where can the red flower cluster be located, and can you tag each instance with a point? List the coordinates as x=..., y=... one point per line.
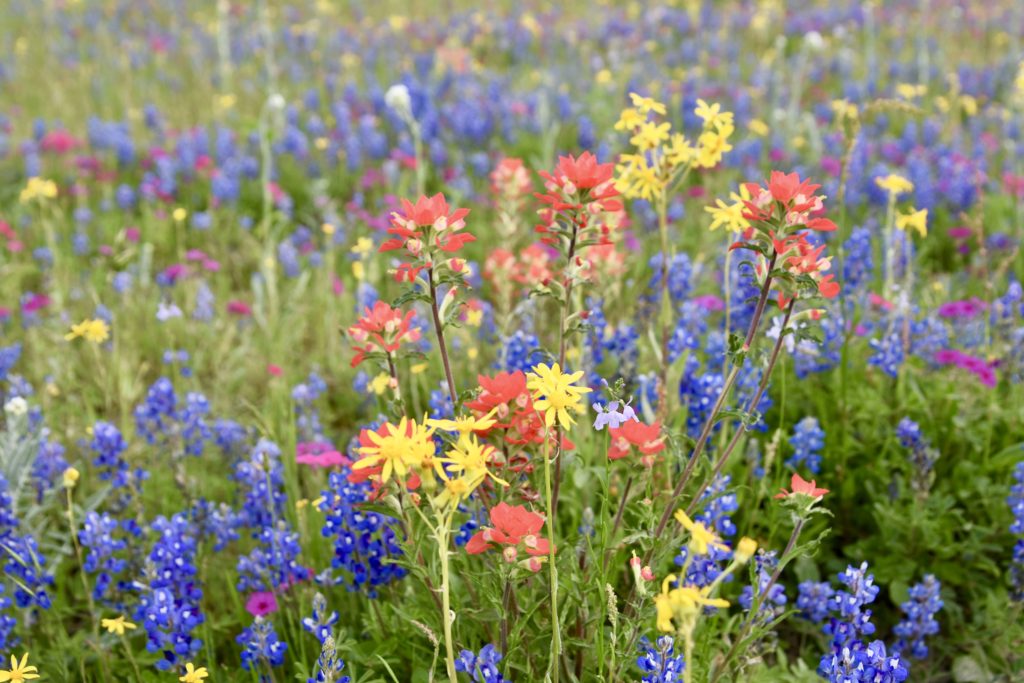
x=424, y=229
x=789, y=197
x=514, y=528
x=579, y=189
x=382, y=330
x=510, y=181
x=647, y=440
x=785, y=204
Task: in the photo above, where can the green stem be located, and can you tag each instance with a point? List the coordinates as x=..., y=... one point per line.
x=443, y=531
x=556, y=636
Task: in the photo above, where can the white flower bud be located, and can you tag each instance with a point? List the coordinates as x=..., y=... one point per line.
x=397, y=97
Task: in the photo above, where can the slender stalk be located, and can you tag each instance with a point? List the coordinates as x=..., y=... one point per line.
x=131, y=658
x=556, y=635
x=709, y=424
x=439, y=330
x=562, y=317
x=443, y=531
x=618, y=521
x=506, y=607
x=751, y=405
x=759, y=600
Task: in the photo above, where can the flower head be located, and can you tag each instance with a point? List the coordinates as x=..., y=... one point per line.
x=19, y=671
x=382, y=329
x=515, y=528
x=396, y=448
x=913, y=220
x=555, y=395
x=702, y=539
x=261, y=603
x=894, y=184
x=194, y=675
x=117, y=625
x=801, y=487
x=95, y=331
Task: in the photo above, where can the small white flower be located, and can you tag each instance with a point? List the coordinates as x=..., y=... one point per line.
x=397, y=97
x=814, y=41
x=276, y=102
x=16, y=407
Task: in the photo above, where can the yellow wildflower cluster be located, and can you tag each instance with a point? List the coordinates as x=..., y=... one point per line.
x=38, y=188
x=730, y=215
x=555, y=394
x=95, y=331
x=661, y=156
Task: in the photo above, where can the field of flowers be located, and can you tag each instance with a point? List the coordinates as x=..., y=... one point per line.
x=642, y=341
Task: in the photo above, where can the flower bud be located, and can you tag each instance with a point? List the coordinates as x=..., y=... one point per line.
x=70, y=477
x=745, y=550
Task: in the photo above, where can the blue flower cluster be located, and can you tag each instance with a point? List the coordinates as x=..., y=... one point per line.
x=260, y=645
x=1016, y=502
x=853, y=659
x=261, y=478
x=169, y=603
x=922, y=455
x=321, y=624
x=920, y=621
x=807, y=441
x=659, y=663
x=99, y=535
x=160, y=420
x=773, y=600
x=481, y=667
x=329, y=665
x=24, y=567
x=364, y=540
x=307, y=417
x=274, y=562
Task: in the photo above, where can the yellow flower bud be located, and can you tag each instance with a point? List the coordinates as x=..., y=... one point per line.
x=745, y=550
x=71, y=476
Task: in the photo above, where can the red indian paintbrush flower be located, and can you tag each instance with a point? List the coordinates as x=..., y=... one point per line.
x=802, y=487
x=381, y=329
x=514, y=528
x=578, y=189
x=647, y=439
x=425, y=230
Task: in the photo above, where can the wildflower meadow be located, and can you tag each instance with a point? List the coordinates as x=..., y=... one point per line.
x=661, y=342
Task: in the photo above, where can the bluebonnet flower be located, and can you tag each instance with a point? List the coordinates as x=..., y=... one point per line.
x=320, y=624
x=863, y=663
x=814, y=600
x=919, y=622
x=482, y=667
x=699, y=393
x=807, y=441
x=107, y=444
x=7, y=622
x=155, y=416
x=364, y=541
x=717, y=503
x=230, y=437
x=774, y=601
x=680, y=271
x=517, y=352
x=858, y=262
x=49, y=465
x=922, y=455
x=261, y=478
x=8, y=357
x=440, y=403
x=888, y=353
x=274, y=562
x=217, y=520
x=122, y=282
x=98, y=536
x=194, y=430
x=169, y=603
x=465, y=531
x=260, y=645
x=659, y=663
x=1016, y=503
x=329, y=665
x=307, y=417
x=23, y=564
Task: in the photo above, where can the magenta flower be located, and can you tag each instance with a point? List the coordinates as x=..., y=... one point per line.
x=319, y=454
x=261, y=604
